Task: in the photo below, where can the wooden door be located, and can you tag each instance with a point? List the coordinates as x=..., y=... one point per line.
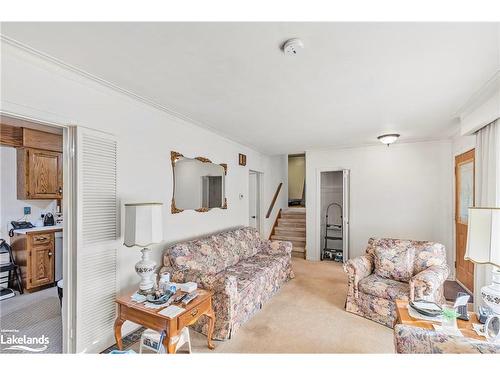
x=464, y=198
x=45, y=174
x=42, y=265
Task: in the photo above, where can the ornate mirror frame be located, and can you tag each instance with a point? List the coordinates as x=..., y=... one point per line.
x=174, y=157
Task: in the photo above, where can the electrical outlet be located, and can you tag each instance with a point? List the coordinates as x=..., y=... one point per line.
x=27, y=210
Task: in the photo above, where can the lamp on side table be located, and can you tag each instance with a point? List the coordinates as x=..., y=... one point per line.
x=143, y=227
x=483, y=247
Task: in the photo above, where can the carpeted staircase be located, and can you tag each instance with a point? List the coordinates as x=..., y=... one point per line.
x=291, y=226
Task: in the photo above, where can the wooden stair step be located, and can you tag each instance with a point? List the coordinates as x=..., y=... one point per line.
x=297, y=210
x=291, y=231
x=293, y=216
x=295, y=243
x=288, y=238
x=299, y=254
x=296, y=221
x=299, y=249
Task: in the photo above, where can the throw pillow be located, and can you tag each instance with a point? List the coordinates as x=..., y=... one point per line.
x=394, y=259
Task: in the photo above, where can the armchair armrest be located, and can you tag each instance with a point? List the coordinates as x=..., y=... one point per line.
x=425, y=284
x=277, y=247
x=416, y=340
x=220, y=282
x=358, y=268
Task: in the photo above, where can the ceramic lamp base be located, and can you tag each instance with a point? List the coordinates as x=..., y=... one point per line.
x=491, y=293
x=145, y=268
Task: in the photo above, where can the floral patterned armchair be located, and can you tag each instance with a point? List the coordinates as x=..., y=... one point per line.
x=394, y=269
x=242, y=269
x=415, y=340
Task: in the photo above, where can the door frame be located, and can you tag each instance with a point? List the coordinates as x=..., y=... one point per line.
x=456, y=208
x=259, y=178
x=346, y=173
x=68, y=310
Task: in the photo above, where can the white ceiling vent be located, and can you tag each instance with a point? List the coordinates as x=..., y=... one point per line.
x=293, y=47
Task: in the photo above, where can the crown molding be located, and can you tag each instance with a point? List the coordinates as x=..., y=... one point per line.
x=150, y=102
x=491, y=86
x=444, y=139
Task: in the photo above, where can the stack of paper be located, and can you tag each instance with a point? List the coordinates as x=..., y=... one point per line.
x=172, y=311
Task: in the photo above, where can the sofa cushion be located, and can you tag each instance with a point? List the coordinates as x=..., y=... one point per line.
x=243, y=242
x=257, y=269
x=428, y=254
x=394, y=259
x=199, y=255
x=215, y=253
x=377, y=286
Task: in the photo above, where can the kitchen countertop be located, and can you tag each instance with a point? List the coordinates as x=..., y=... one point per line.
x=53, y=228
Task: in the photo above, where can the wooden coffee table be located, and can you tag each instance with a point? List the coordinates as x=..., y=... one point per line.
x=150, y=318
x=464, y=326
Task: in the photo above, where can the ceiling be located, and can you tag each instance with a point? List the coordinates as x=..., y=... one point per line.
x=352, y=81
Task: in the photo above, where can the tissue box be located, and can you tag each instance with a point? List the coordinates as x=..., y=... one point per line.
x=189, y=287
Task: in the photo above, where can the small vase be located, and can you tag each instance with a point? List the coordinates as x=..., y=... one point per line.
x=449, y=318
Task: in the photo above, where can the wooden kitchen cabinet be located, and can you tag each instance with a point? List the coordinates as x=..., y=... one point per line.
x=39, y=174
x=17, y=133
x=35, y=254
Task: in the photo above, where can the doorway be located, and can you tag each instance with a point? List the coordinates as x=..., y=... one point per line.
x=464, y=198
x=254, y=195
x=33, y=219
x=333, y=211
x=297, y=180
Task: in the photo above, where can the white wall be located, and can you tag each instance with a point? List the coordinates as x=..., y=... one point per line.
x=296, y=176
x=10, y=207
x=401, y=191
x=485, y=111
x=34, y=87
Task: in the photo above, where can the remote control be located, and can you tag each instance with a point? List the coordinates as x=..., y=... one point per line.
x=179, y=298
x=189, y=297
x=462, y=309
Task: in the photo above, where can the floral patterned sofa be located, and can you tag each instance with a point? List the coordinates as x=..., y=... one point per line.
x=415, y=340
x=242, y=269
x=394, y=269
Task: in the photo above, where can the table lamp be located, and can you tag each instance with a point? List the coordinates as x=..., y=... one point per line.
x=143, y=227
x=483, y=247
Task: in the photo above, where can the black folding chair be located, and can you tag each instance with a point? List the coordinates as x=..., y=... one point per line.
x=12, y=269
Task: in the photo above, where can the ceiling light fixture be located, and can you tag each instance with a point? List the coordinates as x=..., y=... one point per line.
x=388, y=139
x=292, y=47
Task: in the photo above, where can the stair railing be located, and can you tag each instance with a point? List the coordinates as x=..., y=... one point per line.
x=273, y=202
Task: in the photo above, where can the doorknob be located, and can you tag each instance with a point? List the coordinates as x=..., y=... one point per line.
x=254, y=217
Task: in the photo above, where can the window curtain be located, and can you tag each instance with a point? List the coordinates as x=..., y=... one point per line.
x=487, y=188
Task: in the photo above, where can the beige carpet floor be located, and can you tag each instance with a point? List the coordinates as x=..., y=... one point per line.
x=306, y=316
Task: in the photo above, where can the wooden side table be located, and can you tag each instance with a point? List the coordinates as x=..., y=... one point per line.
x=150, y=318
x=464, y=326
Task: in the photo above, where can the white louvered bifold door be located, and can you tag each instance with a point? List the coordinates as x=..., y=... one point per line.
x=345, y=213
x=98, y=231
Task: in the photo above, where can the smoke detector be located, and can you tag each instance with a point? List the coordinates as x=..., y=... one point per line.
x=292, y=47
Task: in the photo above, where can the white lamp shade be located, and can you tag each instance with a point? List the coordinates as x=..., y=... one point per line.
x=143, y=224
x=483, y=236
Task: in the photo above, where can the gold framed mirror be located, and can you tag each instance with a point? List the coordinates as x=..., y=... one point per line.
x=199, y=184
